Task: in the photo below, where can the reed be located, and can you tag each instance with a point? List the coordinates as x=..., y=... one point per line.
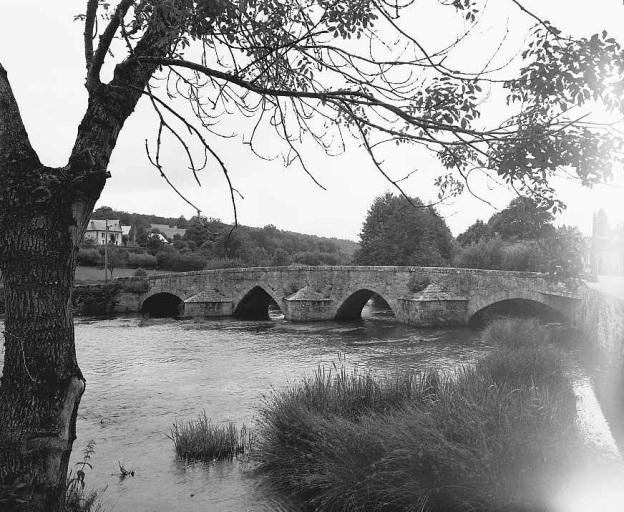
x=200, y=439
x=347, y=440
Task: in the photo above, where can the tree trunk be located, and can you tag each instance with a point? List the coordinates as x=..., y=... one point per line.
x=43, y=215
x=42, y=385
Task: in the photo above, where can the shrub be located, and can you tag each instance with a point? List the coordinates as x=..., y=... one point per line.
x=95, y=299
x=216, y=263
x=171, y=260
x=200, y=439
x=522, y=257
x=140, y=272
x=486, y=254
x=89, y=257
x=142, y=260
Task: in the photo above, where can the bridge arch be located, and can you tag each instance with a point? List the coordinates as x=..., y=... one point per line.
x=162, y=304
x=352, y=306
x=526, y=303
x=254, y=304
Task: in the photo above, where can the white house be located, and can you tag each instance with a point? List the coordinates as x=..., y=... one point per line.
x=97, y=230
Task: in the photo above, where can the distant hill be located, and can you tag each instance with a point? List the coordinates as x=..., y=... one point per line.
x=258, y=246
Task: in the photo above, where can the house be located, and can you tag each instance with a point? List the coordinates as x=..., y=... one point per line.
x=158, y=237
x=102, y=230
x=607, y=247
x=169, y=231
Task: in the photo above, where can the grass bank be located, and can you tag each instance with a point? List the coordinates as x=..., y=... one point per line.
x=496, y=436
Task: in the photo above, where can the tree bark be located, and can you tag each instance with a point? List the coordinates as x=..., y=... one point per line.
x=43, y=214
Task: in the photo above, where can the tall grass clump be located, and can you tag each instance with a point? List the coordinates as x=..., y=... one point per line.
x=523, y=355
x=200, y=439
x=347, y=440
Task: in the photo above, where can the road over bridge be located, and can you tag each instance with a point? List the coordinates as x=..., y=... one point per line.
x=423, y=296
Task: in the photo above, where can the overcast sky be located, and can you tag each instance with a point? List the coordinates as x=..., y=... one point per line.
x=41, y=48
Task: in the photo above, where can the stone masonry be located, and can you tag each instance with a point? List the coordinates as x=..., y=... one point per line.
x=423, y=296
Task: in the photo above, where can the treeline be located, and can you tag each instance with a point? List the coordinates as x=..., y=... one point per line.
x=210, y=243
x=396, y=231
x=522, y=237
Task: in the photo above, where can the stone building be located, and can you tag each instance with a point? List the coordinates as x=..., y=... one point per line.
x=607, y=247
x=99, y=230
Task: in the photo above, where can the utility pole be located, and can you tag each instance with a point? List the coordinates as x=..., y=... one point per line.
x=106, y=254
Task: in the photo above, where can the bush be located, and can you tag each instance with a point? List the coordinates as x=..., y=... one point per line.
x=430, y=441
x=140, y=272
x=201, y=440
x=216, y=263
x=523, y=257
x=171, y=260
x=142, y=260
x=95, y=299
x=485, y=254
x=89, y=257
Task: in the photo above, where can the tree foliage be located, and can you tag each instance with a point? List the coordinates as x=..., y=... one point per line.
x=403, y=231
x=522, y=237
x=522, y=219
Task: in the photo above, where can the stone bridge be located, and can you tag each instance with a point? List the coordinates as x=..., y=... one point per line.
x=423, y=296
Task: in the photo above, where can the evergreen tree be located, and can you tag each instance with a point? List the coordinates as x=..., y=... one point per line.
x=398, y=231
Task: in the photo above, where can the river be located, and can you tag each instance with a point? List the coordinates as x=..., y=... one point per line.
x=142, y=378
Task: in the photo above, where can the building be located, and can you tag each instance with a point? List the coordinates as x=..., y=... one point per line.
x=98, y=230
x=607, y=247
x=169, y=231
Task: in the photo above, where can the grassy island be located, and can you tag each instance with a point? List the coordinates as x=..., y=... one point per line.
x=495, y=436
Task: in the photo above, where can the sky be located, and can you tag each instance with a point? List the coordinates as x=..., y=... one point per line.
x=41, y=49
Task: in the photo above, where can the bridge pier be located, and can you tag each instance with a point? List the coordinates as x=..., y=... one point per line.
x=432, y=313
x=208, y=303
x=307, y=305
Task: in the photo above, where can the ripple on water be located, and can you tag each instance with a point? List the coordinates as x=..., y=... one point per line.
x=142, y=379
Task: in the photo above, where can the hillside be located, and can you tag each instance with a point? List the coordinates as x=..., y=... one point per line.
x=216, y=242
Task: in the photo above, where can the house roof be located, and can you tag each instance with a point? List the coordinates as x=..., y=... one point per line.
x=100, y=225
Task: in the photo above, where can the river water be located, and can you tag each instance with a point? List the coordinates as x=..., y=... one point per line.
x=142, y=378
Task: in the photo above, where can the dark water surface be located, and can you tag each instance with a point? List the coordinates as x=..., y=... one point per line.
x=140, y=379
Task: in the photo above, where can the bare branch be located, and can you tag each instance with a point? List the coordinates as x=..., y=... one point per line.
x=90, y=16
x=93, y=76
x=201, y=138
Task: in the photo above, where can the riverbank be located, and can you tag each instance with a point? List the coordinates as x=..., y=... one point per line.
x=499, y=436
